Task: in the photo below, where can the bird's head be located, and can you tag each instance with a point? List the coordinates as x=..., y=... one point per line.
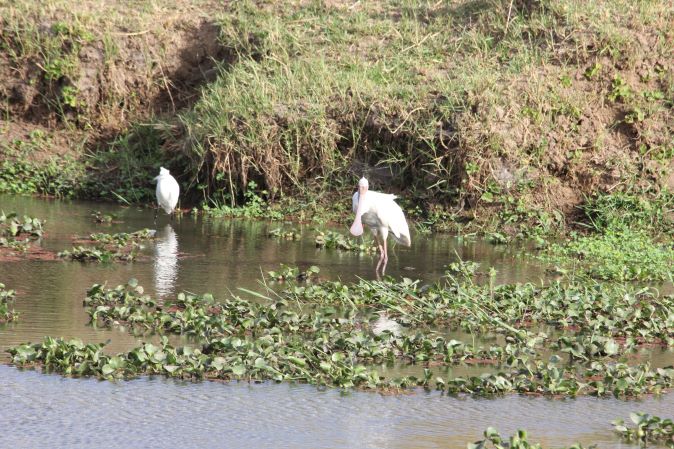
x=363, y=185
x=162, y=172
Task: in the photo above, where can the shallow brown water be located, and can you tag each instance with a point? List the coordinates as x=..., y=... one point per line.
x=214, y=255
x=218, y=256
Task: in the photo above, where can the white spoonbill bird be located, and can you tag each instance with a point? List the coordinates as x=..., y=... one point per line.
x=168, y=192
x=382, y=215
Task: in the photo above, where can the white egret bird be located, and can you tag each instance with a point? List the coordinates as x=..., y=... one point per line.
x=168, y=191
x=382, y=215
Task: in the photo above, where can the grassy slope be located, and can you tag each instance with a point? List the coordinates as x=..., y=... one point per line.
x=451, y=97
x=501, y=110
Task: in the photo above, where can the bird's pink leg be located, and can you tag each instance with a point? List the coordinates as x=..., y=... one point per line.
x=381, y=254
x=383, y=268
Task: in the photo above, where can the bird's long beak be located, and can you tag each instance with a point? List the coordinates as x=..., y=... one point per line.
x=357, y=226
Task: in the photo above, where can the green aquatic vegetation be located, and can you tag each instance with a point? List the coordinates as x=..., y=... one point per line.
x=288, y=273
x=6, y=296
x=602, y=309
x=538, y=377
x=253, y=206
x=285, y=234
x=74, y=358
x=17, y=233
x=99, y=217
x=494, y=440
x=14, y=244
x=325, y=334
x=628, y=240
x=335, y=341
x=125, y=303
x=97, y=254
x=330, y=321
x=121, y=247
x=335, y=240
x=122, y=239
x=465, y=268
x=615, y=256
x=649, y=429
x=588, y=347
x=13, y=226
x=67, y=357
x=497, y=238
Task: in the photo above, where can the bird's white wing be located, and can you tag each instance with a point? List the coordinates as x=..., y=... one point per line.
x=162, y=192
x=168, y=192
x=395, y=218
x=174, y=192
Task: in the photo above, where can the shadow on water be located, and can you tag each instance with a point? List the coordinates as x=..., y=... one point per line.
x=202, y=255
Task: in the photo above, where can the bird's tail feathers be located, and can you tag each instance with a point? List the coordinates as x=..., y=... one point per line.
x=403, y=239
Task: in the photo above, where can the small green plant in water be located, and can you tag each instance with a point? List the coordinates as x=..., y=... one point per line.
x=465, y=268
x=97, y=254
x=100, y=217
x=494, y=440
x=288, y=273
x=123, y=238
x=6, y=296
x=122, y=246
x=254, y=206
x=285, y=234
x=16, y=233
x=649, y=430
x=13, y=226
x=335, y=240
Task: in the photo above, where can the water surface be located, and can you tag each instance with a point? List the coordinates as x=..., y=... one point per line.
x=217, y=256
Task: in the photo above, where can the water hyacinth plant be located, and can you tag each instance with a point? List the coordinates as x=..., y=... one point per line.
x=494, y=440
x=286, y=273
x=97, y=254
x=335, y=240
x=285, y=234
x=6, y=296
x=17, y=233
x=649, y=429
x=122, y=246
x=123, y=238
x=324, y=334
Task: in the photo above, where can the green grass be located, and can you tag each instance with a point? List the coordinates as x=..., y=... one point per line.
x=629, y=239
x=479, y=110
x=616, y=256
x=653, y=213
x=409, y=86
x=123, y=171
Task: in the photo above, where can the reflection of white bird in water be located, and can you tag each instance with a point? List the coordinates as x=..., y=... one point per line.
x=382, y=215
x=166, y=262
x=168, y=192
x=384, y=323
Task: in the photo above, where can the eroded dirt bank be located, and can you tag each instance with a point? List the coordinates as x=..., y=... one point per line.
x=476, y=110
